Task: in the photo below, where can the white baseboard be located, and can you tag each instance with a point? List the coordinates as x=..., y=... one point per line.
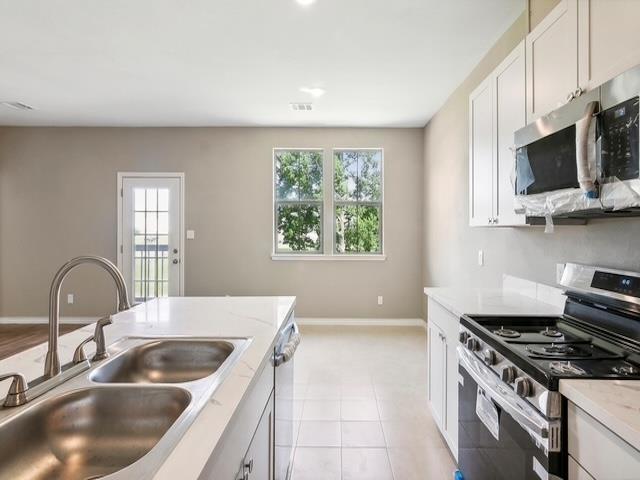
x=362, y=322
x=39, y=320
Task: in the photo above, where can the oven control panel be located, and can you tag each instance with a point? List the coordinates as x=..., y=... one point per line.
x=512, y=377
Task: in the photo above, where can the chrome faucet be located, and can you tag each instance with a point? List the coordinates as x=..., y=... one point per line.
x=52, y=361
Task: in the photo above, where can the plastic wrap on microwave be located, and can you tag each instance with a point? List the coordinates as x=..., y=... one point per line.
x=617, y=194
x=558, y=202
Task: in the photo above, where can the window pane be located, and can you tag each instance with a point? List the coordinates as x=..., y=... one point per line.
x=346, y=229
x=370, y=176
x=298, y=175
x=152, y=199
x=139, y=199
x=286, y=175
x=345, y=176
x=310, y=175
x=358, y=229
x=139, y=222
x=163, y=199
x=298, y=228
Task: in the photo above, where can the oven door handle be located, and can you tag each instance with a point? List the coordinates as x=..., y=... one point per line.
x=289, y=350
x=507, y=400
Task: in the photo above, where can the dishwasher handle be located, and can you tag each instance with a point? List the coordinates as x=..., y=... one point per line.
x=289, y=350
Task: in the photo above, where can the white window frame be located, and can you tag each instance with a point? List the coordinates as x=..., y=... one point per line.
x=328, y=222
x=119, y=236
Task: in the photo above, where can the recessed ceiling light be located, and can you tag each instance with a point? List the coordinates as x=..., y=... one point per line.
x=305, y=3
x=313, y=91
x=17, y=105
x=301, y=106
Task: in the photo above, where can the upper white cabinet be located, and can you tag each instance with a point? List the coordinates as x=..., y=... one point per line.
x=510, y=104
x=481, y=153
x=608, y=39
x=552, y=60
x=497, y=108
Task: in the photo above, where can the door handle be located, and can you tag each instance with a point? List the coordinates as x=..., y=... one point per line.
x=175, y=261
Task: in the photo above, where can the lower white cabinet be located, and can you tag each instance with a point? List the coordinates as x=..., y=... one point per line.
x=442, y=368
x=258, y=461
x=598, y=453
x=245, y=450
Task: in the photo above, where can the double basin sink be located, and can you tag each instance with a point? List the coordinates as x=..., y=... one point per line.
x=120, y=420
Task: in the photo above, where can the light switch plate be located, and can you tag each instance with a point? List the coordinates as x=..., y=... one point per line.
x=70, y=298
x=380, y=300
x=191, y=234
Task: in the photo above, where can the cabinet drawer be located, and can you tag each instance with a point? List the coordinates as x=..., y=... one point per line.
x=444, y=319
x=600, y=451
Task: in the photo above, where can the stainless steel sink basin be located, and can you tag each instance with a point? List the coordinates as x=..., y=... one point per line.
x=88, y=433
x=165, y=361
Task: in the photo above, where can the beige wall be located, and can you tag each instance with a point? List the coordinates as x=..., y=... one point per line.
x=451, y=246
x=58, y=200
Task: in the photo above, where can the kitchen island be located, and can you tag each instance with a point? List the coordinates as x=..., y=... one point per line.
x=259, y=319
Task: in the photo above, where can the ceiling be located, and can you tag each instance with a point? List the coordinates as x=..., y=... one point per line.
x=383, y=63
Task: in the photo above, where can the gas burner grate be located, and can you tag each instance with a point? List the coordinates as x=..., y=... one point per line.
x=551, y=332
x=558, y=350
x=566, y=368
x=506, y=333
x=625, y=370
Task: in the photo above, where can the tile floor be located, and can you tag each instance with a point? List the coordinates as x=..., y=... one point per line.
x=361, y=407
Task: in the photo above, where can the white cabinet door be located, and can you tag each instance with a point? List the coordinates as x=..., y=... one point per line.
x=481, y=154
x=511, y=115
x=437, y=356
x=609, y=39
x=258, y=462
x=552, y=60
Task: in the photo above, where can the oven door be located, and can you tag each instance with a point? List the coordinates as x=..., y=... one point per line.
x=501, y=437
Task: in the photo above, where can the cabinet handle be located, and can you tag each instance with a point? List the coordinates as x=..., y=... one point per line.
x=248, y=467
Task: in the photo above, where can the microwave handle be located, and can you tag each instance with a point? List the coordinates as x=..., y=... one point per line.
x=586, y=178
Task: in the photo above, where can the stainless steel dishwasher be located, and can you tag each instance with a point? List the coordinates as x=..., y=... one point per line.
x=284, y=353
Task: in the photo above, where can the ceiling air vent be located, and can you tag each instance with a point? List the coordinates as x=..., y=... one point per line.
x=17, y=105
x=301, y=107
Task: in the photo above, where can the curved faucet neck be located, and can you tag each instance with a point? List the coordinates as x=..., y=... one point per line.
x=52, y=362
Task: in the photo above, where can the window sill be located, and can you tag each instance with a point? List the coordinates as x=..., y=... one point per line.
x=329, y=258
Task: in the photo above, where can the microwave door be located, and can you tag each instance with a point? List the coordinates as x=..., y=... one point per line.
x=548, y=164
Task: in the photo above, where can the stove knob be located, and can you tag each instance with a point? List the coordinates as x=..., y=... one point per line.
x=489, y=357
x=473, y=344
x=508, y=374
x=523, y=387
x=463, y=337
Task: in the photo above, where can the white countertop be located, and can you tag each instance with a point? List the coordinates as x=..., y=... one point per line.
x=260, y=318
x=489, y=301
x=614, y=403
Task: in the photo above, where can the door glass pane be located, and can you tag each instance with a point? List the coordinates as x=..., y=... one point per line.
x=151, y=243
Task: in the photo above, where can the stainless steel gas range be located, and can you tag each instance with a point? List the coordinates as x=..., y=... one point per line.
x=512, y=419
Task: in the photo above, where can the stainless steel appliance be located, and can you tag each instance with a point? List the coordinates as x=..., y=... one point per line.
x=583, y=158
x=511, y=415
x=283, y=361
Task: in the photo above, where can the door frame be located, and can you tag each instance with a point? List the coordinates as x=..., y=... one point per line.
x=119, y=195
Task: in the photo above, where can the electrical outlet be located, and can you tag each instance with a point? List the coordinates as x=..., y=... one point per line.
x=480, y=258
x=191, y=234
x=70, y=298
x=380, y=300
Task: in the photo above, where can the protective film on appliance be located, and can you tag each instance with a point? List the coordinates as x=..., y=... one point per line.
x=488, y=413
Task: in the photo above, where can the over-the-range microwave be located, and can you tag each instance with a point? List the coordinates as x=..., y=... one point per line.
x=583, y=159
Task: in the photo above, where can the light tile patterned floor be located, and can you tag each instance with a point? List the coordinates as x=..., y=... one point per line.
x=361, y=407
